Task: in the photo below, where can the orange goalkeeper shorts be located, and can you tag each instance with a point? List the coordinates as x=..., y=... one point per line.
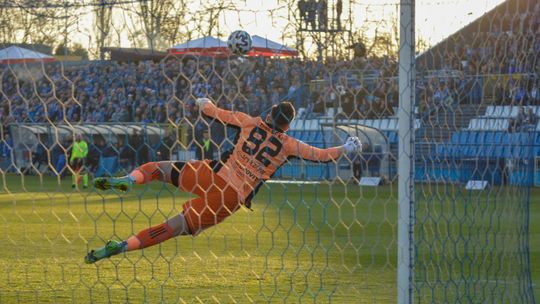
x=216, y=199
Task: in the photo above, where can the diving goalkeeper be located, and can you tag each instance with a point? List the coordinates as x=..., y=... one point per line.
x=221, y=186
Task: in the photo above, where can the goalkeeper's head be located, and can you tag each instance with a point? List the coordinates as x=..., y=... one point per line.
x=282, y=115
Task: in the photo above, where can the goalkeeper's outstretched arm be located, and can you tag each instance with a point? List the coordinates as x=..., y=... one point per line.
x=307, y=152
x=208, y=108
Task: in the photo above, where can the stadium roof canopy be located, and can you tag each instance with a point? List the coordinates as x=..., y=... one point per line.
x=213, y=47
x=133, y=54
x=37, y=47
x=15, y=54
x=89, y=129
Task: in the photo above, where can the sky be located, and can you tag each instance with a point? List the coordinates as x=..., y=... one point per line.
x=435, y=19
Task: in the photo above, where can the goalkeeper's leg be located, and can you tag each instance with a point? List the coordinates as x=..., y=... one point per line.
x=165, y=171
x=217, y=200
x=199, y=214
x=173, y=227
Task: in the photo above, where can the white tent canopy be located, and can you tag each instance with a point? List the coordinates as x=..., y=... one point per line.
x=15, y=54
x=210, y=46
x=200, y=45
x=268, y=47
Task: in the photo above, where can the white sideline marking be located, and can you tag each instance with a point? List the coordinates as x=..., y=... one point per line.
x=485, y=281
x=280, y=181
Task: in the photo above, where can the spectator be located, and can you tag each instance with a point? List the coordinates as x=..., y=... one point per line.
x=108, y=150
x=348, y=105
x=95, y=149
x=518, y=94
x=339, y=10
x=312, y=12
x=121, y=115
x=40, y=156
x=77, y=161
x=441, y=96
x=141, y=148
x=6, y=148
x=517, y=122
x=499, y=94
x=295, y=93
x=168, y=145
x=358, y=165
x=319, y=106
x=534, y=95
x=374, y=161
x=125, y=156
x=530, y=120
x=205, y=148
x=303, y=10
x=322, y=10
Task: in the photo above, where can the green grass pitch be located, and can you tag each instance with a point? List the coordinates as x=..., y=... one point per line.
x=323, y=243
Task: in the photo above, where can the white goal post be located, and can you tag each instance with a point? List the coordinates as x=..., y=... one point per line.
x=406, y=121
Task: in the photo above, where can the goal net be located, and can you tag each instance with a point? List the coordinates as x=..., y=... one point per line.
x=434, y=209
x=478, y=107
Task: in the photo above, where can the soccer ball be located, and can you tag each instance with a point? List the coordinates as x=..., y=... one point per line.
x=239, y=42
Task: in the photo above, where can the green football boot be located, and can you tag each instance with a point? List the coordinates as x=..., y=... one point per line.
x=119, y=183
x=110, y=249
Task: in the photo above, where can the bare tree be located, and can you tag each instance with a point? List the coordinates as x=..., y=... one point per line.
x=35, y=22
x=118, y=28
x=7, y=24
x=381, y=36
x=150, y=15
x=176, y=20
x=162, y=23
x=102, y=24
x=206, y=20
x=288, y=10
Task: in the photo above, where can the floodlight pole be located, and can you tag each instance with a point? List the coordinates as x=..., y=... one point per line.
x=406, y=119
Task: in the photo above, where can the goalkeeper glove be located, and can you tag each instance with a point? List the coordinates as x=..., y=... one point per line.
x=201, y=102
x=352, y=144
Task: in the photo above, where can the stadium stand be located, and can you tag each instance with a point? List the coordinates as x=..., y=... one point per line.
x=480, y=88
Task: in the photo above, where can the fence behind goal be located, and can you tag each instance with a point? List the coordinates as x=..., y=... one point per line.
x=435, y=209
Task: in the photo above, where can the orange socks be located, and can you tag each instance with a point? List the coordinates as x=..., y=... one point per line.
x=150, y=237
x=156, y=234
x=145, y=173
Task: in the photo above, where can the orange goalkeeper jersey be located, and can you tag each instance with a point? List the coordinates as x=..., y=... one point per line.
x=260, y=149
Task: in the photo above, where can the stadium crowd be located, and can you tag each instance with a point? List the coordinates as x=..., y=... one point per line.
x=504, y=42
x=149, y=92
x=143, y=92
x=497, y=56
x=498, y=67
